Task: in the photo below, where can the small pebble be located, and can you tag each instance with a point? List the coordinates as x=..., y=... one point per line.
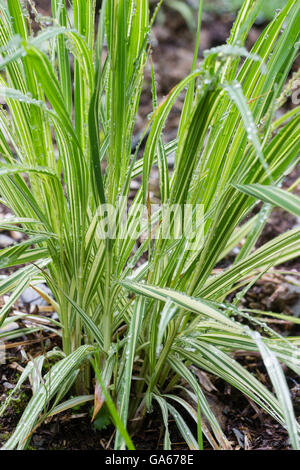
x=31, y=297
x=8, y=386
x=5, y=241
x=17, y=236
x=9, y=327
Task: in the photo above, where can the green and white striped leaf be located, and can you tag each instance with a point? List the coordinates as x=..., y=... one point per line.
x=279, y=383
x=181, y=300
x=273, y=195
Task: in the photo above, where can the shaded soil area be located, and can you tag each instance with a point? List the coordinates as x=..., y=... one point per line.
x=246, y=426
x=244, y=423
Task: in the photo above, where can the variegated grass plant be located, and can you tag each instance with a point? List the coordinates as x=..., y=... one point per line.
x=141, y=319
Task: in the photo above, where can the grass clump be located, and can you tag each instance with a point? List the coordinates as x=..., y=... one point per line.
x=138, y=318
